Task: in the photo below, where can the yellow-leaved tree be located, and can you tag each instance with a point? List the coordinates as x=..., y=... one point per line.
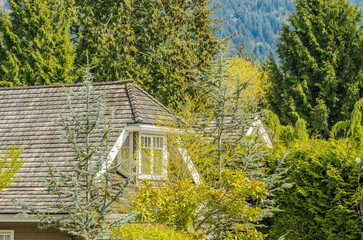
x=10, y=162
x=196, y=195
x=246, y=71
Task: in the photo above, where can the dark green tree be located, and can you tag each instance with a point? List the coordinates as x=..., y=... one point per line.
x=35, y=45
x=159, y=44
x=320, y=74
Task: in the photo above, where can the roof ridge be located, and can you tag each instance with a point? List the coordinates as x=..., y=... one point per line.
x=152, y=98
x=133, y=102
x=67, y=85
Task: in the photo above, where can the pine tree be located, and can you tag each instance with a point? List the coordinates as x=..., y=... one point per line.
x=88, y=197
x=157, y=43
x=320, y=75
x=35, y=45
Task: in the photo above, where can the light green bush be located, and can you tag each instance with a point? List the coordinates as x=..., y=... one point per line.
x=149, y=232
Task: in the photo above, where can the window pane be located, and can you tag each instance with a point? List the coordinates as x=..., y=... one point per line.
x=158, y=142
x=158, y=162
x=2, y=237
x=7, y=237
x=145, y=142
x=145, y=161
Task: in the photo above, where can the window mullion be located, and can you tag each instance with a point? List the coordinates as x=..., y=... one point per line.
x=152, y=155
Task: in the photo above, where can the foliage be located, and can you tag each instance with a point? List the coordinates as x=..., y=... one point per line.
x=217, y=201
x=320, y=75
x=351, y=128
x=211, y=210
x=159, y=44
x=10, y=162
x=86, y=196
x=35, y=45
x=255, y=23
x=232, y=112
x=322, y=203
x=147, y=231
x=245, y=70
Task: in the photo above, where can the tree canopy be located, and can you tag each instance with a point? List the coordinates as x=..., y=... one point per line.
x=319, y=77
x=160, y=44
x=35, y=45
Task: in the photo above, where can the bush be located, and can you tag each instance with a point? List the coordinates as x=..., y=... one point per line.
x=149, y=232
x=322, y=202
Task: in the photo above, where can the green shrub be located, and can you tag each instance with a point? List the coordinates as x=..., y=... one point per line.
x=322, y=202
x=149, y=232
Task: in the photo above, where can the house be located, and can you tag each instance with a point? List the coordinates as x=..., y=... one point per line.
x=29, y=115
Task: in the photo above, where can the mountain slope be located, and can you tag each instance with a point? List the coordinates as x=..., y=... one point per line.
x=256, y=22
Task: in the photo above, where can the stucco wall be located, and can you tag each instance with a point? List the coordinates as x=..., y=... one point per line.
x=30, y=231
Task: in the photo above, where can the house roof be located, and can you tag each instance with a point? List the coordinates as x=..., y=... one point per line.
x=28, y=115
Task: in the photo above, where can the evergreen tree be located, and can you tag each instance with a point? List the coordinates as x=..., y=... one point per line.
x=320, y=77
x=89, y=195
x=157, y=43
x=35, y=45
x=232, y=114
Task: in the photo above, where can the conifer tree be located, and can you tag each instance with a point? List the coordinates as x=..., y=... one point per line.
x=320, y=76
x=35, y=44
x=89, y=195
x=157, y=43
x=232, y=115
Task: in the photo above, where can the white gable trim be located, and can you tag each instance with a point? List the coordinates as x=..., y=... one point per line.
x=262, y=130
x=118, y=144
x=190, y=165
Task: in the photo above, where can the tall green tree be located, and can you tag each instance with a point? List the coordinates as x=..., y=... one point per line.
x=320, y=76
x=157, y=43
x=35, y=43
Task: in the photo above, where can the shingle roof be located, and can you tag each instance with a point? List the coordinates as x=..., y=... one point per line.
x=28, y=116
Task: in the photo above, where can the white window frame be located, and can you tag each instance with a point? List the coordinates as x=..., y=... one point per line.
x=7, y=232
x=152, y=176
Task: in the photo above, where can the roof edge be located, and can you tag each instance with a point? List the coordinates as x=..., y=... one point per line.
x=67, y=85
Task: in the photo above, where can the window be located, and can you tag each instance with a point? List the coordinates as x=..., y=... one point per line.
x=6, y=235
x=152, y=163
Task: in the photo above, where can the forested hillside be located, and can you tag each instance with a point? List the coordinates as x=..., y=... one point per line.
x=255, y=22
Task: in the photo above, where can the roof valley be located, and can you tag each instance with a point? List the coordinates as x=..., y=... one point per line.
x=133, y=103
